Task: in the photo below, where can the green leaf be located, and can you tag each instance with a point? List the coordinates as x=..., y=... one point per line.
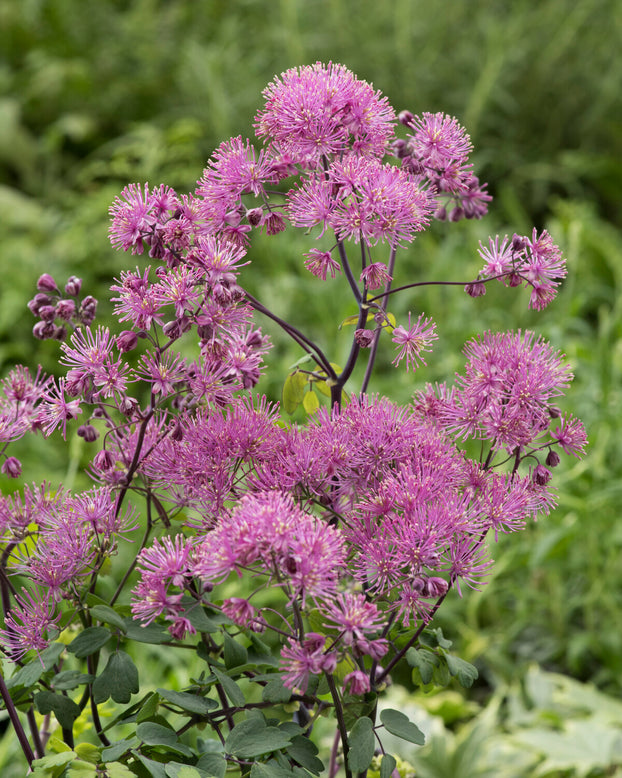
x=463, y=671
x=213, y=764
x=322, y=387
x=398, y=724
x=234, y=654
x=387, y=766
x=119, y=679
x=254, y=738
x=197, y=617
x=148, y=708
x=304, y=751
x=153, y=734
x=270, y=769
x=112, y=752
x=155, y=769
x=178, y=770
x=70, y=679
x=80, y=769
x=152, y=633
x=275, y=692
x=424, y=661
x=88, y=752
x=30, y=673
x=232, y=690
x=190, y=702
x=118, y=770
x=108, y=615
x=310, y=402
x=54, y=760
x=65, y=709
x=361, y=740
x=293, y=391
x=441, y=640
x=89, y=641
x=350, y=320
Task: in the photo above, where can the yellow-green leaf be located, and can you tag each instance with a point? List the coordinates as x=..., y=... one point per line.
x=311, y=402
x=322, y=387
x=293, y=391
x=350, y=320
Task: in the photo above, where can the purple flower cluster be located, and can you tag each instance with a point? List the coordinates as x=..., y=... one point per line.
x=361, y=520
x=534, y=260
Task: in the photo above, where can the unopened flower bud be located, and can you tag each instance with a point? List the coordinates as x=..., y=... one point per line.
x=435, y=587
x=406, y=118
x=12, y=467
x=88, y=432
x=514, y=280
x=456, y=214
x=413, y=165
x=185, y=323
x=254, y=216
x=476, y=289
x=104, y=460
x=88, y=309
x=172, y=330
x=358, y=681
x=254, y=339
x=126, y=341
x=46, y=283
x=541, y=475
x=553, y=458
x=65, y=309
x=274, y=224
x=177, y=433
x=128, y=406
x=73, y=286
x=60, y=333
x=233, y=218
x=47, y=312
x=554, y=412
x=400, y=148
x=441, y=213
x=519, y=243
x=37, y=301
x=364, y=338
x=43, y=330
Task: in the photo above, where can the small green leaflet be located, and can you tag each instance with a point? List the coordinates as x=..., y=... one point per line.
x=398, y=724
x=362, y=744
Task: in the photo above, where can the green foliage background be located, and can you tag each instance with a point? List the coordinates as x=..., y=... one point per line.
x=94, y=95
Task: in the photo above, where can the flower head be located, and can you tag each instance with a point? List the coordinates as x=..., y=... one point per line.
x=323, y=110
x=414, y=340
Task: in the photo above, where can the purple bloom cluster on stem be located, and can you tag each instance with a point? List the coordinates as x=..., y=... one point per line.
x=348, y=531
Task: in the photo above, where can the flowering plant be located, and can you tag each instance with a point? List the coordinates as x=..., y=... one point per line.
x=299, y=563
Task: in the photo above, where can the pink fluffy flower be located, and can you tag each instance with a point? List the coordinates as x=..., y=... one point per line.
x=571, y=436
x=300, y=660
x=322, y=110
x=413, y=341
x=439, y=139
x=320, y=263
x=133, y=218
x=31, y=624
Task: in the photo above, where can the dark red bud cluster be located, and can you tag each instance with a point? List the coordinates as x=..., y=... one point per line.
x=49, y=305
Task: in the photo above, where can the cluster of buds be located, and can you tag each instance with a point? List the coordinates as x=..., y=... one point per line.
x=56, y=310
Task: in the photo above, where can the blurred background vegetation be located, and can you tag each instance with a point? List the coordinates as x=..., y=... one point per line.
x=94, y=95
